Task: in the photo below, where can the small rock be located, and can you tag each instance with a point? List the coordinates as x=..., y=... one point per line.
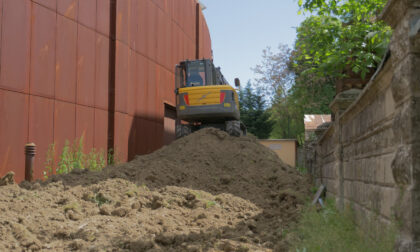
x=88, y=196
x=190, y=197
x=105, y=210
x=156, y=202
x=192, y=248
x=120, y=212
x=135, y=205
x=36, y=186
x=77, y=244
x=8, y=179
x=227, y=246
x=224, y=180
x=201, y=216
x=73, y=215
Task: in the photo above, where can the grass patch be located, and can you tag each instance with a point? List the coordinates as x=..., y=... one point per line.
x=329, y=230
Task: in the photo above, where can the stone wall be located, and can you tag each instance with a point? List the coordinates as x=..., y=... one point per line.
x=369, y=157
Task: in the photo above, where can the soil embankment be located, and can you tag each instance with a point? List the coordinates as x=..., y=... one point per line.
x=205, y=192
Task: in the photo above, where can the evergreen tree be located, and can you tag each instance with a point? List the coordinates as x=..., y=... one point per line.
x=254, y=113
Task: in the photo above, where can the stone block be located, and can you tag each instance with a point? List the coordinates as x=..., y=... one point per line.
x=402, y=165
x=406, y=77
x=402, y=125
x=388, y=176
x=389, y=201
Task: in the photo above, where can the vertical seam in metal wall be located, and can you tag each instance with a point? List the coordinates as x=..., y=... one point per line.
x=197, y=31
x=77, y=70
x=55, y=69
x=111, y=73
x=94, y=72
x=29, y=72
x=1, y=33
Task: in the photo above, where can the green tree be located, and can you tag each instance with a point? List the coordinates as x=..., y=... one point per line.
x=254, y=113
x=342, y=37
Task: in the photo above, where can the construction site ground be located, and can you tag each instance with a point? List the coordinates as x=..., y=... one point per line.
x=204, y=192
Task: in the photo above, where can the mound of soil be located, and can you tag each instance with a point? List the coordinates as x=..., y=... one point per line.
x=205, y=192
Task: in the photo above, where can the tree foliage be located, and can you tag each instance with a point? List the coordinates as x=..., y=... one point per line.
x=342, y=36
x=254, y=113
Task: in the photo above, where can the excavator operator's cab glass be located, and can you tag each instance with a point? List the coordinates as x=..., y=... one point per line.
x=179, y=76
x=196, y=74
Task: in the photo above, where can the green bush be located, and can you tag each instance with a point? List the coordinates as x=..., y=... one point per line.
x=328, y=229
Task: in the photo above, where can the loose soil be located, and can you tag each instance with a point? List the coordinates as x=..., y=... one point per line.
x=205, y=192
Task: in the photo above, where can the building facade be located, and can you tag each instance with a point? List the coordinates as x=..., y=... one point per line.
x=98, y=69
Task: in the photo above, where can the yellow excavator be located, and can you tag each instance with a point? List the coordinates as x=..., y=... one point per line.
x=205, y=99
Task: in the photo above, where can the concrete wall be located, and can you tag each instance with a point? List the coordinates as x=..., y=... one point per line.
x=285, y=149
x=369, y=157
x=99, y=68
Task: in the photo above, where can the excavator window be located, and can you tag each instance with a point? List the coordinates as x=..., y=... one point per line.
x=196, y=75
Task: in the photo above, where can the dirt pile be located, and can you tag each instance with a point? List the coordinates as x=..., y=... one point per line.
x=205, y=192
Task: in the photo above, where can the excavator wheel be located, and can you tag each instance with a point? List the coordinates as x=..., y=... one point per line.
x=233, y=128
x=182, y=130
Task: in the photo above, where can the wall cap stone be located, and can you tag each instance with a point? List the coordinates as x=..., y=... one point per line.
x=344, y=99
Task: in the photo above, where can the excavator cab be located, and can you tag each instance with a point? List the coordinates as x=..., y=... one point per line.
x=205, y=99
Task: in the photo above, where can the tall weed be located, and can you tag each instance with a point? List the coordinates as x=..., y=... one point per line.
x=73, y=157
x=328, y=229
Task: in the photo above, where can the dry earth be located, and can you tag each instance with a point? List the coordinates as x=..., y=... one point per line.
x=205, y=192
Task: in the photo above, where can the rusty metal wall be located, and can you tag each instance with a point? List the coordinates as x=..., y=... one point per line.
x=57, y=66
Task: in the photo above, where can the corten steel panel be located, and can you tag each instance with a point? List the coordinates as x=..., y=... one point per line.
x=131, y=140
x=102, y=18
x=64, y=125
x=123, y=12
x=87, y=13
x=167, y=44
x=171, y=6
x=141, y=38
x=176, y=13
x=15, y=51
x=51, y=4
x=85, y=125
x=139, y=133
x=160, y=85
x=141, y=92
x=68, y=8
x=13, y=132
x=102, y=70
x=122, y=132
x=41, y=130
x=189, y=19
x=86, y=66
x=66, y=57
x=151, y=90
x=43, y=51
x=162, y=4
x=1, y=19
x=174, y=45
x=151, y=30
x=121, y=77
x=133, y=23
x=132, y=83
x=169, y=86
x=161, y=36
x=101, y=130
x=160, y=130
